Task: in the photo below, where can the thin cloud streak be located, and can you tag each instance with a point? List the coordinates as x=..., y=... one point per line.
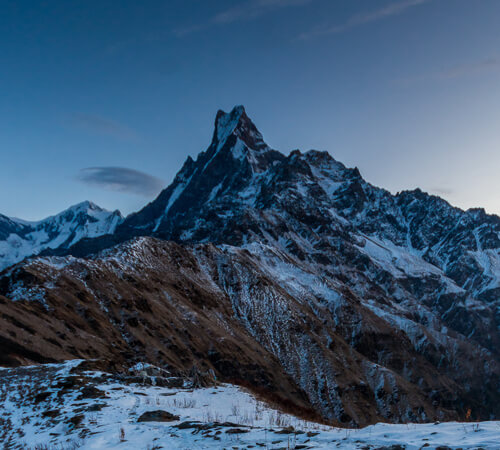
x=472, y=68
x=121, y=179
x=246, y=11
x=361, y=19
x=462, y=70
x=102, y=125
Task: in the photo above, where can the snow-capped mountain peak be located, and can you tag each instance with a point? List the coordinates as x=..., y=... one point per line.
x=87, y=206
x=236, y=124
x=20, y=239
x=236, y=156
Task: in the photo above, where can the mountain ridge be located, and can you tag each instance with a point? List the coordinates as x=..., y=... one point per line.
x=236, y=124
x=369, y=306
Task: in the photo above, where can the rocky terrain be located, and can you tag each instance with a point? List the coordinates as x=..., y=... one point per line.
x=76, y=405
x=290, y=275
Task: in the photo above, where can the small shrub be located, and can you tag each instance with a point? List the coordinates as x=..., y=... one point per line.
x=235, y=409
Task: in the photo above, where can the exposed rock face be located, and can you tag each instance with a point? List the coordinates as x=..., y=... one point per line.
x=157, y=416
x=290, y=274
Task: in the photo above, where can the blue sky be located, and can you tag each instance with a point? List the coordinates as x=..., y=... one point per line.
x=407, y=90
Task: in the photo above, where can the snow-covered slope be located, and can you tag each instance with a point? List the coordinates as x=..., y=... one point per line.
x=20, y=239
x=62, y=406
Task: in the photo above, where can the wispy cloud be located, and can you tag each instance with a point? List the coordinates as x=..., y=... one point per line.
x=461, y=70
x=357, y=20
x=250, y=9
x=484, y=65
x=121, y=179
x=102, y=125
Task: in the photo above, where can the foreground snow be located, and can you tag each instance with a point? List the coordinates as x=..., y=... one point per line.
x=41, y=408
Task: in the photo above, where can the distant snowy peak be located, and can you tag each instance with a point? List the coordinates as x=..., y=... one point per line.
x=20, y=239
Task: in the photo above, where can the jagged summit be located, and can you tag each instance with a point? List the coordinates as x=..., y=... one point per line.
x=236, y=157
x=236, y=142
x=226, y=123
x=238, y=125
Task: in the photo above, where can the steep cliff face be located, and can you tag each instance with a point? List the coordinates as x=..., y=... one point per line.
x=291, y=274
